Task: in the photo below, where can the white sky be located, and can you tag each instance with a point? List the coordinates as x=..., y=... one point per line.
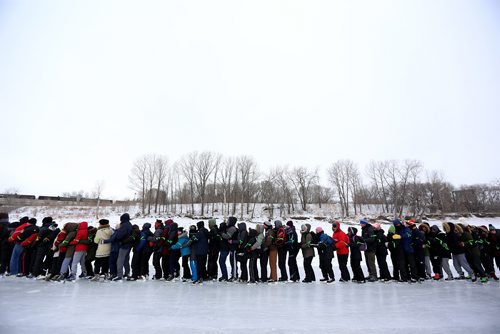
x=86, y=87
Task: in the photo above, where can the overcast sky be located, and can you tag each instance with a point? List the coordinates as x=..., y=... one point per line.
x=86, y=87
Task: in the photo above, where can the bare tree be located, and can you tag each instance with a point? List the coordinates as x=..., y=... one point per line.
x=247, y=170
x=226, y=177
x=98, y=189
x=138, y=179
x=303, y=180
x=343, y=174
x=205, y=164
x=188, y=169
x=161, y=168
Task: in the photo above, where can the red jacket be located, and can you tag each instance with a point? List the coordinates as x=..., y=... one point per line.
x=60, y=238
x=29, y=240
x=17, y=232
x=82, y=238
x=341, y=241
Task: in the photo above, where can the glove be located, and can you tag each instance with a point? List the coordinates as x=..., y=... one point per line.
x=396, y=237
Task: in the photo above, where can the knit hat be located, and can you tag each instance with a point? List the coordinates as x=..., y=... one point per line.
x=278, y=223
x=200, y=224
x=47, y=220
x=491, y=227
x=363, y=222
x=32, y=221
x=24, y=220
x=289, y=223
x=319, y=229
x=124, y=218
x=396, y=222
x=146, y=226
x=376, y=226
x=268, y=225
x=103, y=222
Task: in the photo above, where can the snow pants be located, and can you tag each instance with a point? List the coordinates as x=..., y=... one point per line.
x=344, y=272
x=292, y=264
x=370, y=263
x=264, y=259
x=273, y=258
x=309, y=269
x=282, y=263
x=459, y=262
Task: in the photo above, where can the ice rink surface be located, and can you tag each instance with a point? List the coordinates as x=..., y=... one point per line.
x=30, y=306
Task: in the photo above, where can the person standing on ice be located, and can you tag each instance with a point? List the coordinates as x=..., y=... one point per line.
x=381, y=252
x=368, y=234
x=42, y=247
x=306, y=241
x=292, y=244
x=123, y=237
x=231, y=236
x=395, y=246
x=406, y=242
x=417, y=242
x=213, y=249
x=325, y=250
x=182, y=245
x=242, y=254
x=103, y=251
x=355, y=242
x=155, y=244
x=224, y=252
x=457, y=248
x=269, y=242
x=81, y=243
x=200, y=242
x=342, y=246
x=280, y=242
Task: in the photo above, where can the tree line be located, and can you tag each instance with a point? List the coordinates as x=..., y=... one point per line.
x=208, y=183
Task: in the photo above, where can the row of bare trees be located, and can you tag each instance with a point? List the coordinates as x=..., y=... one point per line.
x=205, y=183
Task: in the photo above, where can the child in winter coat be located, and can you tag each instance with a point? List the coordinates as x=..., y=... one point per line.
x=355, y=242
x=182, y=245
x=342, y=245
x=103, y=251
x=81, y=243
x=325, y=250
x=192, y=260
x=306, y=242
x=381, y=252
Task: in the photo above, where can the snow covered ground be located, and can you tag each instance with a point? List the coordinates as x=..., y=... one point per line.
x=30, y=306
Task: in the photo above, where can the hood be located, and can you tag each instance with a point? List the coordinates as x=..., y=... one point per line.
x=174, y=226
x=435, y=229
x=392, y=229
x=304, y=228
x=252, y=233
x=47, y=221
x=278, y=223
x=424, y=227
x=83, y=226
x=231, y=221
x=242, y=227
x=337, y=226
x=124, y=218
x=146, y=226
x=352, y=230
x=259, y=228
x=223, y=227
x=200, y=224
x=459, y=229
x=68, y=227
x=212, y=223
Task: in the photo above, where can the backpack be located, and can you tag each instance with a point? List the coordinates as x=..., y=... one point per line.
x=281, y=236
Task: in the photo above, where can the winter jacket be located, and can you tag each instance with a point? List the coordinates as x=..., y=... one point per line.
x=368, y=234
x=30, y=240
x=154, y=241
x=223, y=243
x=172, y=235
x=325, y=246
x=354, y=243
x=201, y=240
x=417, y=240
x=16, y=235
x=242, y=236
x=213, y=237
x=143, y=243
x=406, y=240
x=259, y=239
x=341, y=240
x=182, y=244
x=306, y=241
x=251, y=240
x=270, y=237
x=292, y=241
x=104, y=232
x=380, y=240
x=439, y=247
x=231, y=234
x=71, y=229
x=81, y=241
x=470, y=244
x=453, y=239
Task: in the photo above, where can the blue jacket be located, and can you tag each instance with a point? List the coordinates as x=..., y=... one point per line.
x=182, y=244
x=200, y=241
x=120, y=235
x=406, y=240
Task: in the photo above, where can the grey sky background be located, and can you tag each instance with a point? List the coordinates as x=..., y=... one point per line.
x=86, y=87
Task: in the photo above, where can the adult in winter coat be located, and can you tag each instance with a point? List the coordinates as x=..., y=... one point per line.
x=440, y=254
x=253, y=253
x=257, y=249
x=325, y=250
x=242, y=255
x=269, y=243
x=231, y=236
x=104, y=232
x=90, y=257
x=472, y=252
x=69, y=249
x=19, y=237
x=200, y=242
x=395, y=246
x=292, y=244
x=144, y=250
x=224, y=252
x=417, y=242
x=192, y=260
x=174, y=254
x=342, y=246
x=156, y=244
x=5, y=247
x=381, y=252
x=213, y=249
x=280, y=243
x=406, y=242
x=183, y=246
x=81, y=243
x=123, y=236
x=355, y=243
x=42, y=247
x=494, y=242
x=484, y=247
x=306, y=242
x=368, y=234
x=457, y=248
x=426, y=230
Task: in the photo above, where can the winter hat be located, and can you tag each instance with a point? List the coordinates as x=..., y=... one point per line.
x=180, y=229
x=491, y=227
x=146, y=226
x=363, y=222
x=396, y=222
x=212, y=223
x=47, y=220
x=268, y=225
x=392, y=229
x=200, y=224
x=103, y=222
x=192, y=229
x=376, y=226
x=319, y=229
x=278, y=223
x=435, y=229
x=483, y=228
x=32, y=221
x=289, y=223
x=169, y=222
x=24, y=220
x=124, y=218
x=303, y=228
x=231, y=221
x=352, y=230
x=53, y=227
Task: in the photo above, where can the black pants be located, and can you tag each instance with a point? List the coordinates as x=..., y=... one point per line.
x=264, y=259
x=475, y=263
x=243, y=259
x=146, y=255
x=186, y=271
x=213, y=256
x=165, y=265
x=420, y=262
x=357, y=272
x=101, y=265
x=157, y=264
x=410, y=266
x=282, y=263
x=174, y=267
x=382, y=265
x=252, y=267
x=40, y=253
x=309, y=269
x=26, y=260
x=5, y=254
x=292, y=264
x=136, y=264
x=437, y=266
x=344, y=272
x=325, y=264
x=201, y=266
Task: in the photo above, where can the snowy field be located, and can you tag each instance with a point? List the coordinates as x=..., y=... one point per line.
x=30, y=306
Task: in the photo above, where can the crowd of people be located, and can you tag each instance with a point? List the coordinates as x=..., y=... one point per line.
x=264, y=253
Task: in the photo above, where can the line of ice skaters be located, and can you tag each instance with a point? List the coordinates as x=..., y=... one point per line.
x=417, y=253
